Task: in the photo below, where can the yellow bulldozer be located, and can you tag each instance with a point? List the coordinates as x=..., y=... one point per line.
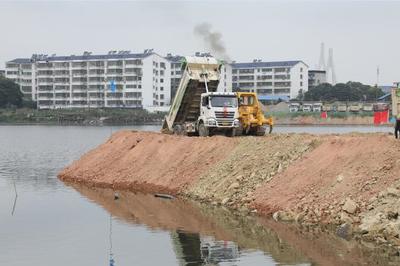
x=251, y=117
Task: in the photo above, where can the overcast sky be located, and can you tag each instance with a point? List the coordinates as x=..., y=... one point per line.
x=362, y=34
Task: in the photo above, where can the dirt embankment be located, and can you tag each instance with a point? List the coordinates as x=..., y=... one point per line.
x=350, y=181
x=312, y=120
x=136, y=161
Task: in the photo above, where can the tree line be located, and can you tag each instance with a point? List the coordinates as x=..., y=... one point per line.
x=350, y=91
x=10, y=94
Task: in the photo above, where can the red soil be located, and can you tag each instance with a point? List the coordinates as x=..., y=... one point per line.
x=148, y=161
x=355, y=166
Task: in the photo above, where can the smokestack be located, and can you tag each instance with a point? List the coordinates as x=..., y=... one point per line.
x=213, y=40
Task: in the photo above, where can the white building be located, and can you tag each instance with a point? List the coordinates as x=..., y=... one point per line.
x=316, y=77
x=117, y=79
x=271, y=80
x=176, y=72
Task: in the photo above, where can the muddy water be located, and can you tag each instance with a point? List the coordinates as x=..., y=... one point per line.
x=51, y=223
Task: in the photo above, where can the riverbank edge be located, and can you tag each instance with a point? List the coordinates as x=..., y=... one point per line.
x=342, y=228
x=157, y=123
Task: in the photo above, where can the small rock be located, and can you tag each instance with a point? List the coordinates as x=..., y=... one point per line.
x=275, y=216
x=235, y=185
x=279, y=168
x=345, y=218
x=349, y=206
x=392, y=215
x=299, y=218
x=339, y=178
x=391, y=230
x=224, y=201
x=239, y=177
x=286, y=216
x=344, y=231
x=393, y=192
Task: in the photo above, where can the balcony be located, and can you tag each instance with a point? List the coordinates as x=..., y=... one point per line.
x=74, y=99
x=45, y=97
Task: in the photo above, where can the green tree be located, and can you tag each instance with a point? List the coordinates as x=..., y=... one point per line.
x=10, y=94
x=350, y=91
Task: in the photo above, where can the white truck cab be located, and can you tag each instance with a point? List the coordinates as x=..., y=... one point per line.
x=218, y=112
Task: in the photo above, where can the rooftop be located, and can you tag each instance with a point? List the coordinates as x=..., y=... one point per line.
x=174, y=58
x=316, y=71
x=84, y=57
x=267, y=64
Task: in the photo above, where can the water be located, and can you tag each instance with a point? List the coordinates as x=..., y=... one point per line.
x=51, y=223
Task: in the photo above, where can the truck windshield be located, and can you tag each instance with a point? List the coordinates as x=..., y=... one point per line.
x=223, y=101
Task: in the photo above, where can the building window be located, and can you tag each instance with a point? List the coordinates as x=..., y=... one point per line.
x=301, y=69
x=301, y=76
x=161, y=88
x=301, y=83
x=161, y=96
x=161, y=80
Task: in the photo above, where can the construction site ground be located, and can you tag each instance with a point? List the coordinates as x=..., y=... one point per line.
x=350, y=182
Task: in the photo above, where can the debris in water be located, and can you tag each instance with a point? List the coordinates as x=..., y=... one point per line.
x=164, y=196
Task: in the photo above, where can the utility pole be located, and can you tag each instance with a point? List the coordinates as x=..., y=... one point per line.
x=377, y=76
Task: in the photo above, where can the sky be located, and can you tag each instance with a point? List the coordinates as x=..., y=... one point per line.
x=363, y=35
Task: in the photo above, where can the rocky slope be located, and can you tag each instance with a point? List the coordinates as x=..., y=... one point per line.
x=349, y=181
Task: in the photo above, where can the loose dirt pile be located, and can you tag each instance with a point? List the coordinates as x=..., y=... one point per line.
x=253, y=162
x=136, y=161
x=329, y=179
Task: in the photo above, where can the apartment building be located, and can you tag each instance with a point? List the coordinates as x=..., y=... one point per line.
x=176, y=72
x=271, y=80
x=316, y=77
x=117, y=79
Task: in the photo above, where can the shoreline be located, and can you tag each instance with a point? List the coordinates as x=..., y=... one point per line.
x=314, y=180
x=157, y=123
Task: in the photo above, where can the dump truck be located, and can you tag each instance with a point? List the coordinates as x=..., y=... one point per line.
x=251, y=118
x=198, y=108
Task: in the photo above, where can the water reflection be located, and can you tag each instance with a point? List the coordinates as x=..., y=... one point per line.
x=204, y=235
x=200, y=235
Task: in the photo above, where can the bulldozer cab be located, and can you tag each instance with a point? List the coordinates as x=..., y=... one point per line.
x=248, y=102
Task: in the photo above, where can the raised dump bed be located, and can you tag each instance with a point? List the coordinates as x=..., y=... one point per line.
x=197, y=105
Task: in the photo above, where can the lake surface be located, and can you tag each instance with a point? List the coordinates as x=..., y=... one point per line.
x=52, y=223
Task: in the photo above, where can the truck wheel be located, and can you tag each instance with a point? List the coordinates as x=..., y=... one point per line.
x=178, y=130
x=270, y=129
x=231, y=132
x=203, y=130
x=239, y=130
